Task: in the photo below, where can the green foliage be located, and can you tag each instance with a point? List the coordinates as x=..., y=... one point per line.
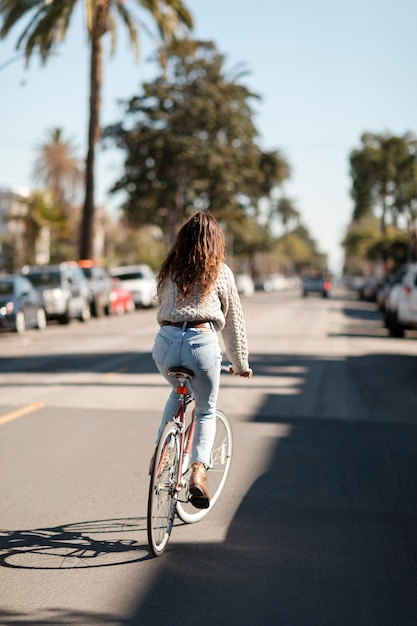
x=384, y=177
x=360, y=236
x=364, y=241
x=384, y=187
x=292, y=253
x=44, y=211
x=393, y=247
x=190, y=144
x=245, y=238
x=285, y=210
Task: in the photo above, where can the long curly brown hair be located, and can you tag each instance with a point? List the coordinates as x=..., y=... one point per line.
x=195, y=260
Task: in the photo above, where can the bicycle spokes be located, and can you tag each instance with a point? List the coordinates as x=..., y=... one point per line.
x=162, y=490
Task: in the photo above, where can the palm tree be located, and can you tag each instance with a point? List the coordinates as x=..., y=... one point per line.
x=287, y=212
x=47, y=25
x=58, y=168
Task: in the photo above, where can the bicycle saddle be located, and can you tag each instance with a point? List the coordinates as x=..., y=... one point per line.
x=181, y=372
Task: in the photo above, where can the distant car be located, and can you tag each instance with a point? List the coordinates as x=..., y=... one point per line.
x=100, y=283
x=404, y=316
x=245, y=285
x=294, y=282
x=64, y=290
x=318, y=284
x=20, y=304
x=121, y=299
x=276, y=282
x=140, y=280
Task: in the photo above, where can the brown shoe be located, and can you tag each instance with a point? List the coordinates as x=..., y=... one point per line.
x=199, y=496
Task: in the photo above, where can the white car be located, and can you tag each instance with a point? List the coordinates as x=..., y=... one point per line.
x=245, y=285
x=140, y=280
x=404, y=316
x=276, y=282
x=390, y=291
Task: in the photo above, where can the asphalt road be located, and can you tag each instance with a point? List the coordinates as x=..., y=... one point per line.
x=317, y=523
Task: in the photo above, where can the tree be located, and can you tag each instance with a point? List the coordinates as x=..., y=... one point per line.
x=384, y=180
x=246, y=237
x=47, y=23
x=293, y=254
x=364, y=245
x=375, y=171
x=58, y=168
x=190, y=143
x=286, y=212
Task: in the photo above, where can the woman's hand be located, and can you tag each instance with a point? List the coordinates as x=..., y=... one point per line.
x=247, y=374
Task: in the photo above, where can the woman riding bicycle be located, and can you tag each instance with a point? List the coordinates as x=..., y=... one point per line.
x=197, y=297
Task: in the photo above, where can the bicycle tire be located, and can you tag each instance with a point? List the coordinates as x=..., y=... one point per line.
x=161, y=501
x=221, y=458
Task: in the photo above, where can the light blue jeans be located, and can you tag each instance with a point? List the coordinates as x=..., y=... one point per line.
x=199, y=351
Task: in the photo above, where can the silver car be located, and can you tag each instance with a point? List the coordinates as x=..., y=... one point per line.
x=64, y=290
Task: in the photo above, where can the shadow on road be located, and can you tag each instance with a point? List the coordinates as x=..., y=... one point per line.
x=98, y=543
x=328, y=534
x=134, y=362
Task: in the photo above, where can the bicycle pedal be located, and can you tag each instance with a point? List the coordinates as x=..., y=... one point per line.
x=199, y=502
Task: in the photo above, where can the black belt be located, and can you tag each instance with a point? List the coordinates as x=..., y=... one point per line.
x=188, y=324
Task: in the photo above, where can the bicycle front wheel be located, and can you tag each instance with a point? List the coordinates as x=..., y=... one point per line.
x=162, y=500
x=221, y=458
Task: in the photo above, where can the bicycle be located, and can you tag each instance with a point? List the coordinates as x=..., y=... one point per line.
x=168, y=488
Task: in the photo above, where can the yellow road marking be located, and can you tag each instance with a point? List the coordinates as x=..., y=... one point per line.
x=24, y=411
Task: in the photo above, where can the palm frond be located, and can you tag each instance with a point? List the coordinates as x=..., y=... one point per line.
x=49, y=29
x=169, y=16
x=12, y=12
x=47, y=23
x=130, y=25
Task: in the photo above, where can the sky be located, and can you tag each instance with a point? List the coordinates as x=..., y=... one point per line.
x=326, y=72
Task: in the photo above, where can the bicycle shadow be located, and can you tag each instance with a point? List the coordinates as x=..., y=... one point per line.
x=82, y=544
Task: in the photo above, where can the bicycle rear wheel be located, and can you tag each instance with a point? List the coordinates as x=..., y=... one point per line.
x=161, y=500
x=221, y=458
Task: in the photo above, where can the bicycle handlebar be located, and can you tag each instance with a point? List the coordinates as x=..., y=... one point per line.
x=227, y=367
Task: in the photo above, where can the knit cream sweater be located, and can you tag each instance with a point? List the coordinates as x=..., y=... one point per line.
x=222, y=307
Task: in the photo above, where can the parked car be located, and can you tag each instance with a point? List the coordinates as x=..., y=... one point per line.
x=403, y=315
x=64, y=290
x=245, y=285
x=100, y=283
x=20, y=304
x=121, y=299
x=276, y=282
x=370, y=288
x=319, y=284
x=140, y=280
x=390, y=292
